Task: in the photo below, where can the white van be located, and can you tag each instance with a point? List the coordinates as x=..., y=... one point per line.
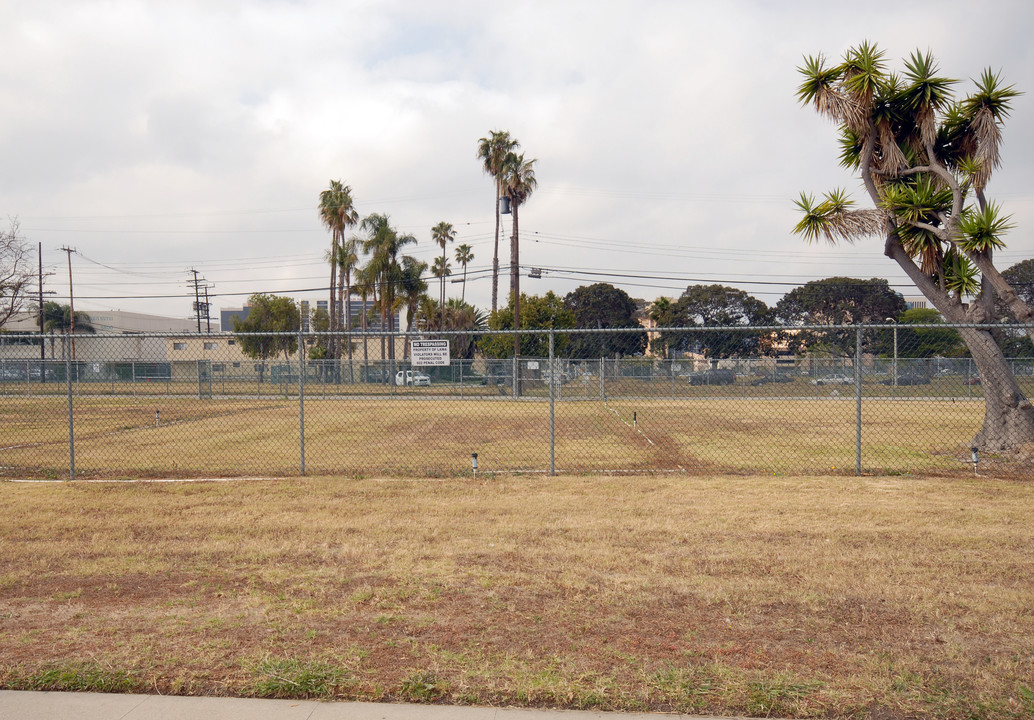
x=411, y=377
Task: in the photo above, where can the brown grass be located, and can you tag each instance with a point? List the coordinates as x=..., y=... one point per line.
x=434, y=437
x=804, y=597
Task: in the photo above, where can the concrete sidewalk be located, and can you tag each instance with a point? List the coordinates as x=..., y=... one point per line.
x=17, y=705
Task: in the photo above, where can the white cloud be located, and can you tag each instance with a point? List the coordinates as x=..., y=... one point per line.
x=170, y=135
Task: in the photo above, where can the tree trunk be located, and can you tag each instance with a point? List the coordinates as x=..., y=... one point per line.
x=331, y=350
x=348, y=325
x=1008, y=414
x=495, y=256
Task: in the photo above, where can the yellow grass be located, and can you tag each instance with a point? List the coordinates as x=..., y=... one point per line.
x=803, y=597
x=432, y=436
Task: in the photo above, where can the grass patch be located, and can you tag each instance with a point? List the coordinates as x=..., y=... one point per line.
x=804, y=597
x=434, y=437
x=292, y=678
x=74, y=676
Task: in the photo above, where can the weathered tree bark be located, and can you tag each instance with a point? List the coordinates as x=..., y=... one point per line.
x=1008, y=414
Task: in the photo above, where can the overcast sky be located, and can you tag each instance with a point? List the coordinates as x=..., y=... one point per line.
x=160, y=137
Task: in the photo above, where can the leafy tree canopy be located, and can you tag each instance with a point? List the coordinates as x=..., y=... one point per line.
x=602, y=305
x=837, y=301
x=268, y=314
x=538, y=312
x=924, y=342
x=1021, y=277
x=840, y=301
x=720, y=306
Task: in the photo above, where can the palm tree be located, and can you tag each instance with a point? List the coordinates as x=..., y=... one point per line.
x=442, y=233
x=58, y=319
x=413, y=287
x=429, y=313
x=364, y=287
x=348, y=262
x=464, y=254
x=663, y=311
x=337, y=214
x=519, y=182
x=383, y=244
x=493, y=151
x=441, y=270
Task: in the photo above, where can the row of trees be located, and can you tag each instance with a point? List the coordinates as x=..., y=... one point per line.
x=373, y=266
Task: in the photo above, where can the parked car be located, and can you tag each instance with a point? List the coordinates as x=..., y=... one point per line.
x=12, y=373
x=908, y=379
x=777, y=378
x=713, y=377
x=412, y=377
x=836, y=379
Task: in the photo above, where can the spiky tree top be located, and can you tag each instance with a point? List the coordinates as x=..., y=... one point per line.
x=924, y=157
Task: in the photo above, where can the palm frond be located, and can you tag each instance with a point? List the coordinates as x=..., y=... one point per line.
x=832, y=219
x=863, y=71
x=982, y=230
x=960, y=275
x=850, y=149
x=924, y=246
x=925, y=94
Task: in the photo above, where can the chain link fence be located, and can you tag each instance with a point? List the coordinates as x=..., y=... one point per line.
x=873, y=399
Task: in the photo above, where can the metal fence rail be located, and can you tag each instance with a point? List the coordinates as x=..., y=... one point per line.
x=694, y=400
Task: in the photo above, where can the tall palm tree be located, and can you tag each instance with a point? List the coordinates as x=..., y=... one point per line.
x=441, y=269
x=364, y=287
x=347, y=262
x=519, y=182
x=413, y=287
x=337, y=214
x=492, y=150
x=464, y=254
x=442, y=233
x=384, y=244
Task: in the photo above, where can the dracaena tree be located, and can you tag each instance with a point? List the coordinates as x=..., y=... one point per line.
x=925, y=159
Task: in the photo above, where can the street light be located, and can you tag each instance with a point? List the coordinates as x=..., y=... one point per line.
x=892, y=320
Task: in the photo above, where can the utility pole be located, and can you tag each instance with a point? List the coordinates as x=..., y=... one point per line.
x=208, y=307
x=199, y=284
x=71, y=301
x=42, y=342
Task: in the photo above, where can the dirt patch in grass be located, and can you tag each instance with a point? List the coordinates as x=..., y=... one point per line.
x=804, y=597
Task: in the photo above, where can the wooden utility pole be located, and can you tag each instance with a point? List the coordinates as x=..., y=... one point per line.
x=71, y=302
x=42, y=342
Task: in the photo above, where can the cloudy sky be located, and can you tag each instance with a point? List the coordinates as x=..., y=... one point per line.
x=160, y=137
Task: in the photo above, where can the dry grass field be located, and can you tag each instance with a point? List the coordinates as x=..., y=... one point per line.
x=839, y=597
x=429, y=436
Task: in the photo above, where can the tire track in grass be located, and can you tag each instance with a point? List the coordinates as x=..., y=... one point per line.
x=635, y=426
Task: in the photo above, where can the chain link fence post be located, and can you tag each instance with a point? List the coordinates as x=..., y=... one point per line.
x=301, y=398
x=552, y=400
x=71, y=421
x=858, y=400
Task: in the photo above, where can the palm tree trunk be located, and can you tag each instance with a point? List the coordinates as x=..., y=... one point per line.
x=443, y=285
x=366, y=354
x=348, y=325
x=515, y=283
x=463, y=293
x=495, y=257
x=333, y=275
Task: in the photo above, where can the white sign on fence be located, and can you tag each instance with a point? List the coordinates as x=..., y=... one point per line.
x=430, y=352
